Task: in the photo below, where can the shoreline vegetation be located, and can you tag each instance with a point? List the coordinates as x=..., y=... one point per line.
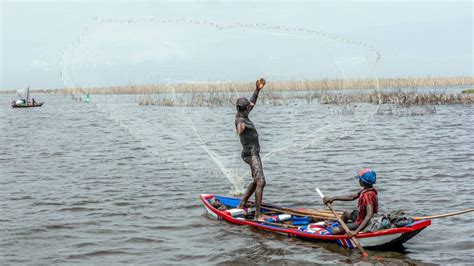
x=302, y=85
x=335, y=91
x=402, y=92
x=296, y=85
x=397, y=98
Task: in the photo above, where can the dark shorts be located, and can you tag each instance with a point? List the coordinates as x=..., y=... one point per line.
x=352, y=225
x=354, y=214
x=255, y=166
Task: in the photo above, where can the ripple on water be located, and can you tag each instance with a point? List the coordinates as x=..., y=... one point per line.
x=143, y=240
x=45, y=203
x=85, y=245
x=78, y=209
x=60, y=226
x=102, y=253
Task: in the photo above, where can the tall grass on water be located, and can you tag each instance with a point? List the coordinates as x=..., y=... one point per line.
x=408, y=111
x=404, y=99
x=303, y=85
x=212, y=99
x=400, y=98
x=323, y=91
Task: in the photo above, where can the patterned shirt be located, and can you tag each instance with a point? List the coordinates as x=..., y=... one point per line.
x=366, y=197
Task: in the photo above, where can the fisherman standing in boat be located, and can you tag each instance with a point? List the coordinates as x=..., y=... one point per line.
x=251, y=149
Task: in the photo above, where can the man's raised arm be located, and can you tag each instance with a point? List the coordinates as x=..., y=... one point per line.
x=258, y=86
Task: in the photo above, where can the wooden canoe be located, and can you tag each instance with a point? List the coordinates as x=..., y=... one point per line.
x=388, y=238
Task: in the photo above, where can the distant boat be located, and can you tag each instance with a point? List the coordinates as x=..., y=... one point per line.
x=24, y=102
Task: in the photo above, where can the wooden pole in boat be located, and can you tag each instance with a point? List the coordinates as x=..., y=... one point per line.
x=442, y=215
x=305, y=212
x=315, y=211
x=314, y=214
x=301, y=212
x=317, y=216
x=344, y=226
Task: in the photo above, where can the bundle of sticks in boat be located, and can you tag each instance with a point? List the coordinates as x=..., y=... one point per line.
x=312, y=213
x=317, y=214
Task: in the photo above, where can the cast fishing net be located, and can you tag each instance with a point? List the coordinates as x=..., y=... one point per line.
x=183, y=64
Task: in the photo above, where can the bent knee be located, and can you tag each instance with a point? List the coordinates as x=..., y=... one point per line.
x=260, y=181
x=346, y=215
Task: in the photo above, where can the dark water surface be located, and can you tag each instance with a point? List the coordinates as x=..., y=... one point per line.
x=119, y=183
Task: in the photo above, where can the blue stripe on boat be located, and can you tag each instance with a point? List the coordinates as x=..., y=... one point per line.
x=349, y=243
x=232, y=202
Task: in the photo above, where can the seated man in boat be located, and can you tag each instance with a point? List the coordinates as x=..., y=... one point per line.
x=367, y=206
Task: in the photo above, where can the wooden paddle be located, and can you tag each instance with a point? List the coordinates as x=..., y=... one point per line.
x=344, y=226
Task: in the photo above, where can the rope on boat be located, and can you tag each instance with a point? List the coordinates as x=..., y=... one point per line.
x=442, y=215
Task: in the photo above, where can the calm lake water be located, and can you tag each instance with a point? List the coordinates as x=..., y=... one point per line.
x=113, y=182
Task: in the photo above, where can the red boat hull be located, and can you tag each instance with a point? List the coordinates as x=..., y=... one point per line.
x=379, y=239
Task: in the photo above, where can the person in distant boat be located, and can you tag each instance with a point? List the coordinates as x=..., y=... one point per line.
x=33, y=101
x=367, y=206
x=251, y=149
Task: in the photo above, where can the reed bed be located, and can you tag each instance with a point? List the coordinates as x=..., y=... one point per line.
x=326, y=91
x=403, y=99
x=212, y=99
x=301, y=85
x=409, y=111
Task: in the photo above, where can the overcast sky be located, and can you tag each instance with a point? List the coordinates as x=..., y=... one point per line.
x=52, y=45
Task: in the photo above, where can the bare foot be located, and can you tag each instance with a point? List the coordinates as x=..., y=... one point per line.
x=261, y=217
x=242, y=206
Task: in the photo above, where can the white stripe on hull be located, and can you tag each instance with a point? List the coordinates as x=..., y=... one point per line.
x=377, y=240
x=211, y=213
